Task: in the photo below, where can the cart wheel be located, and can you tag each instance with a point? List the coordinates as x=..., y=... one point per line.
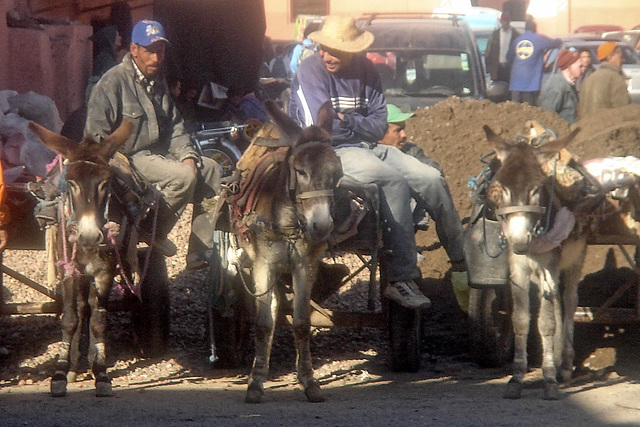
x=225, y=158
x=491, y=329
x=405, y=336
x=151, y=316
x=230, y=309
x=231, y=335
x=252, y=128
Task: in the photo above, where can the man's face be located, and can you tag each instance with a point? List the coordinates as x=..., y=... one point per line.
x=395, y=136
x=586, y=58
x=335, y=60
x=149, y=58
x=616, y=57
x=575, y=70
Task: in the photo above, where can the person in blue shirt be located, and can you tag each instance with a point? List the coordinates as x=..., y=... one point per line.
x=341, y=74
x=526, y=56
x=304, y=48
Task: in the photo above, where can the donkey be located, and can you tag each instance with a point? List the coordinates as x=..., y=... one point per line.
x=522, y=197
x=293, y=212
x=87, y=275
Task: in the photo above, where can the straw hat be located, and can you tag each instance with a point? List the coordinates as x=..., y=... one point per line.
x=340, y=33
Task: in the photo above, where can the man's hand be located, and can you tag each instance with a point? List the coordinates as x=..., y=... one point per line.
x=340, y=116
x=4, y=239
x=190, y=162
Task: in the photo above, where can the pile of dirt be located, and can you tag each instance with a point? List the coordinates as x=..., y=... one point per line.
x=451, y=132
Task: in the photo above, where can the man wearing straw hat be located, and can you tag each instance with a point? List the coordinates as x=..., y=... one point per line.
x=346, y=78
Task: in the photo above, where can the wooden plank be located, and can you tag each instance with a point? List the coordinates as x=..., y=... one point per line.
x=344, y=319
x=27, y=281
x=30, y=308
x=608, y=315
x=617, y=239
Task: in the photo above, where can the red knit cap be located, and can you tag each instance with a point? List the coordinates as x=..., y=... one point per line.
x=566, y=58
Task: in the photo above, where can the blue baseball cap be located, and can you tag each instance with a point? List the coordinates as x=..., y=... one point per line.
x=148, y=32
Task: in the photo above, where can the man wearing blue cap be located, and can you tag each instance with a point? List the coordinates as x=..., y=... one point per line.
x=159, y=148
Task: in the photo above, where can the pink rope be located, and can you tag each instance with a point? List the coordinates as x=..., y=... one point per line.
x=67, y=265
x=135, y=287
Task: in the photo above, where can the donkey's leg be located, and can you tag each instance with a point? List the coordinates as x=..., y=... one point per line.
x=549, y=305
x=69, y=324
x=570, y=302
x=81, y=313
x=520, y=319
x=266, y=311
x=572, y=276
x=303, y=279
x=98, y=295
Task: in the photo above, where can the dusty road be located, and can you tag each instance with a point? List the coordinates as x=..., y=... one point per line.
x=450, y=390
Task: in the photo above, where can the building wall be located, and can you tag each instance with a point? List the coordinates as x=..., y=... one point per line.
x=54, y=61
x=4, y=48
x=552, y=16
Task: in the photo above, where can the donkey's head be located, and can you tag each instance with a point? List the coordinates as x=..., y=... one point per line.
x=519, y=193
x=87, y=177
x=314, y=169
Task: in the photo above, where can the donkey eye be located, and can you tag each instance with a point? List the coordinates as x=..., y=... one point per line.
x=534, y=195
x=101, y=186
x=494, y=194
x=73, y=186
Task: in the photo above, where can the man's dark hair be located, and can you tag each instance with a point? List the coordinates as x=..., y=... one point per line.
x=530, y=25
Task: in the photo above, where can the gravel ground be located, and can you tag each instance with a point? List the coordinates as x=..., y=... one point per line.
x=350, y=363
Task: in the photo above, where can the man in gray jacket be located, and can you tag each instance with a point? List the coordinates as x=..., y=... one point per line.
x=159, y=148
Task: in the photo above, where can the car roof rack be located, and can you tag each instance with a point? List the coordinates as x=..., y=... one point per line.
x=370, y=16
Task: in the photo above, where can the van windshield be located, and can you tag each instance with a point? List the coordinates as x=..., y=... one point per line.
x=419, y=73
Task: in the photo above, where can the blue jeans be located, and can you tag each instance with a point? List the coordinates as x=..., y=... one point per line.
x=401, y=177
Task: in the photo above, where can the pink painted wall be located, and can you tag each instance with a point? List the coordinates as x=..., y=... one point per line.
x=54, y=61
x=4, y=48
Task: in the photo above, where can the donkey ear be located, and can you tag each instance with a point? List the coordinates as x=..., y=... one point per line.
x=288, y=128
x=325, y=117
x=499, y=145
x=554, y=146
x=113, y=142
x=58, y=143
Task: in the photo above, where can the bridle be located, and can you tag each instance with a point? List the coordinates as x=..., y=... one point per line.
x=305, y=195
x=502, y=213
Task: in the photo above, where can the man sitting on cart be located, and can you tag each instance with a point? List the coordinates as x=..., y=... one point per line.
x=345, y=77
x=159, y=147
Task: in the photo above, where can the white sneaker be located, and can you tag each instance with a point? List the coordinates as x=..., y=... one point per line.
x=407, y=294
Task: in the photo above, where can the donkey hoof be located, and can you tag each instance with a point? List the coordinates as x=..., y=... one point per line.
x=565, y=375
x=254, y=394
x=551, y=391
x=313, y=393
x=514, y=390
x=72, y=376
x=58, y=388
x=104, y=389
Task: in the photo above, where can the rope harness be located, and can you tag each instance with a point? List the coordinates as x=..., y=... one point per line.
x=110, y=232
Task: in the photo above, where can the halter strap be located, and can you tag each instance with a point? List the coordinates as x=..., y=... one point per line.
x=526, y=208
x=313, y=194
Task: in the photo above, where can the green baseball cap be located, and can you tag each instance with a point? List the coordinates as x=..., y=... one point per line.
x=395, y=115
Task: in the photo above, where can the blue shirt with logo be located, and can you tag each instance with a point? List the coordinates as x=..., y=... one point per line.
x=526, y=56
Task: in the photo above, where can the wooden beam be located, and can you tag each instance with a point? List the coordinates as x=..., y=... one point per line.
x=51, y=307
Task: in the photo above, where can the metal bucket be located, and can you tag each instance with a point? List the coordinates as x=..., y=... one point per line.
x=486, y=255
